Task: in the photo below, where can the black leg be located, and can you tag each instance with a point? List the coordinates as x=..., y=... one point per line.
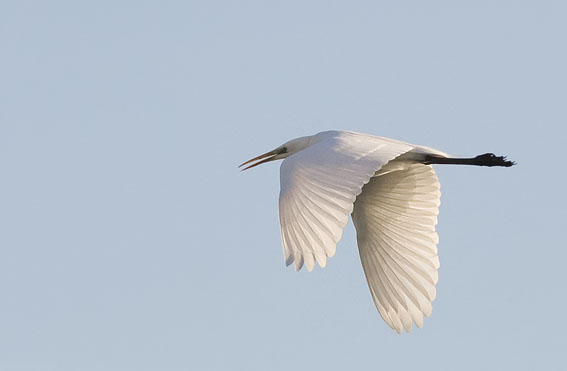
x=487, y=159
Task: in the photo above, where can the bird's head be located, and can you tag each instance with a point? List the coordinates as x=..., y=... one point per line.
x=285, y=150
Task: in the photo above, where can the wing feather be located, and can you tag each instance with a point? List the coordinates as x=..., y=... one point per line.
x=395, y=218
x=319, y=186
x=394, y=202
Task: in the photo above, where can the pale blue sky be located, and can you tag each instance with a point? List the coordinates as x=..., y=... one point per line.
x=129, y=240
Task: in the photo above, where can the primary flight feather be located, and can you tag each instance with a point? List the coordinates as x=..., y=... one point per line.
x=392, y=193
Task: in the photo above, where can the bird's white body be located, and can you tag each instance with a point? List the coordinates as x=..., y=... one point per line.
x=393, y=198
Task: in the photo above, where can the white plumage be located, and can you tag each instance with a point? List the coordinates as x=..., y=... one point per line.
x=395, y=218
x=393, y=196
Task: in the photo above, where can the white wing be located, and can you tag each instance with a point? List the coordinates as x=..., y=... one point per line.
x=395, y=218
x=319, y=186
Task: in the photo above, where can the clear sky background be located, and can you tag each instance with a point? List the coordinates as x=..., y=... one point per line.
x=129, y=240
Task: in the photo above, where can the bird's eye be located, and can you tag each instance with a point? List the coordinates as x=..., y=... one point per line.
x=284, y=150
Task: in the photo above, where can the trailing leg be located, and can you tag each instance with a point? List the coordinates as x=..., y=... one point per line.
x=487, y=159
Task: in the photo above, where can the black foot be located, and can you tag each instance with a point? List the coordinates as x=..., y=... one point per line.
x=490, y=159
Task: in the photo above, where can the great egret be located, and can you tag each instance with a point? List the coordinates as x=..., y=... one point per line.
x=393, y=194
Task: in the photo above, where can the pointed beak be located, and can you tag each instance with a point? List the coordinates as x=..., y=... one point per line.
x=266, y=157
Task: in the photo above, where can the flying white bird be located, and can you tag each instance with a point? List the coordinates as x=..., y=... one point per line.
x=393, y=194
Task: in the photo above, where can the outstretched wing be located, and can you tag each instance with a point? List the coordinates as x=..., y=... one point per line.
x=319, y=186
x=395, y=218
